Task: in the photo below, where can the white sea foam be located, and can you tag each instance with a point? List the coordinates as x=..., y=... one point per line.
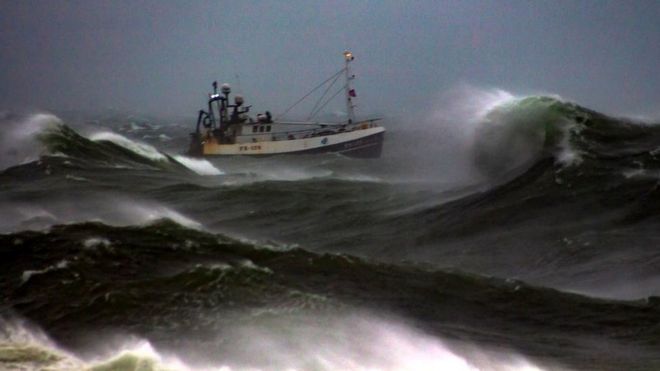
x=200, y=166
x=445, y=137
x=76, y=178
x=141, y=149
x=461, y=111
x=138, y=356
x=151, y=213
x=357, y=342
x=566, y=154
x=94, y=242
x=243, y=264
x=635, y=173
x=31, y=273
x=288, y=173
x=18, y=139
x=112, y=209
x=24, y=347
x=215, y=266
x=348, y=343
x=249, y=264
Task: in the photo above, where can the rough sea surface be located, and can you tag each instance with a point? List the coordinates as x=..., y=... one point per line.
x=506, y=233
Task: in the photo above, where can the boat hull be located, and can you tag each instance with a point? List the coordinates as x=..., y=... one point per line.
x=364, y=143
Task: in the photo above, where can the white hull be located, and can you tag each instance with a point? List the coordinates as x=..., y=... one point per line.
x=337, y=142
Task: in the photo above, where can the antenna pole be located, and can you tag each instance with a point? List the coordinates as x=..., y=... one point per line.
x=350, y=93
x=238, y=82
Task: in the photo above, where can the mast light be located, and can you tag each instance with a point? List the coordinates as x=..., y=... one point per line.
x=348, y=56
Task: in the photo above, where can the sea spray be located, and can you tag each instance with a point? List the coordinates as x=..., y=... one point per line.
x=200, y=166
x=437, y=145
x=19, y=138
x=113, y=209
x=134, y=146
x=357, y=341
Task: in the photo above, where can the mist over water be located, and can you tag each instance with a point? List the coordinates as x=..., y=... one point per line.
x=473, y=135
x=497, y=232
x=376, y=343
x=19, y=138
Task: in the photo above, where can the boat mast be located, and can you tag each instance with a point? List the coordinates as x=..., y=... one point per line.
x=350, y=93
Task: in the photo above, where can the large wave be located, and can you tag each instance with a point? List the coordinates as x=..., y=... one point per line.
x=565, y=196
x=25, y=139
x=573, y=180
x=242, y=305
x=476, y=134
x=522, y=131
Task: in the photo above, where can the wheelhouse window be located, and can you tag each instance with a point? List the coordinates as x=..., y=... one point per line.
x=261, y=129
x=268, y=128
x=254, y=129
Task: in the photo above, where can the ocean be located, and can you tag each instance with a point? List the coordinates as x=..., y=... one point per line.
x=502, y=233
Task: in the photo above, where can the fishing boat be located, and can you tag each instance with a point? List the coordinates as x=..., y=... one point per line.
x=226, y=129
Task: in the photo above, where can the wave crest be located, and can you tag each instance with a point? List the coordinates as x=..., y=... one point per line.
x=26, y=139
x=18, y=139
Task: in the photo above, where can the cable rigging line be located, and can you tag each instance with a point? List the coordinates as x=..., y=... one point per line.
x=308, y=94
x=312, y=112
x=328, y=100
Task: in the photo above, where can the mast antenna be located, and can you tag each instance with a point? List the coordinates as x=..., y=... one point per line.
x=238, y=82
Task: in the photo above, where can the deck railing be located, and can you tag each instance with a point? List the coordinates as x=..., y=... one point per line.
x=324, y=129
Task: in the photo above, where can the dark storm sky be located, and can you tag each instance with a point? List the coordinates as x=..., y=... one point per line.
x=160, y=56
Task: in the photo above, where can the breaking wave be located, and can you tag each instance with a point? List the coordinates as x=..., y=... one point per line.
x=115, y=209
x=19, y=138
x=246, y=306
x=522, y=131
x=200, y=166
x=475, y=135
x=141, y=149
x=374, y=344
x=26, y=139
